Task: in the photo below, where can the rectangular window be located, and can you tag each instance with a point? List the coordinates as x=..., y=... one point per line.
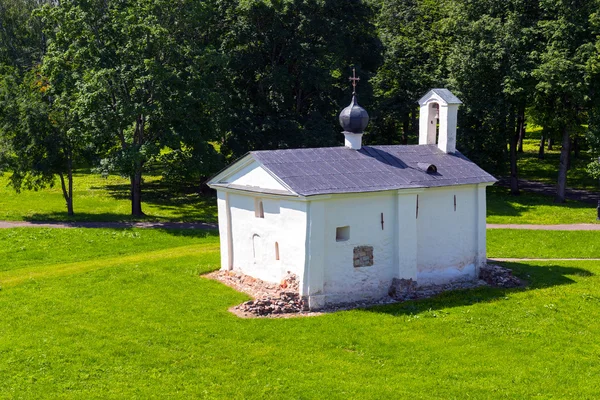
x=342, y=233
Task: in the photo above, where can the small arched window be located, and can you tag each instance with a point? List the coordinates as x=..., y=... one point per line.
x=277, y=251
x=259, y=211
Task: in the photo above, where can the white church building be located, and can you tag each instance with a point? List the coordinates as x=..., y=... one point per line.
x=347, y=220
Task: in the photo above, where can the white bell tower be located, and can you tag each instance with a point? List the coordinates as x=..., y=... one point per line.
x=439, y=105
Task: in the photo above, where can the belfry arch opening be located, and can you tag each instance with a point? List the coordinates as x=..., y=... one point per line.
x=433, y=126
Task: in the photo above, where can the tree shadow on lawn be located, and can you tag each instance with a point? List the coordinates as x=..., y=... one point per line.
x=186, y=204
x=198, y=230
x=501, y=203
x=534, y=276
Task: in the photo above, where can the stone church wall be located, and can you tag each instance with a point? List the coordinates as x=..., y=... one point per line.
x=268, y=240
x=447, y=234
x=359, y=251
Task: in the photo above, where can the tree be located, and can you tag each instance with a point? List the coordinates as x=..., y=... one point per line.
x=38, y=135
x=560, y=95
x=22, y=42
x=144, y=75
x=414, y=60
x=287, y=68
x=490, y=69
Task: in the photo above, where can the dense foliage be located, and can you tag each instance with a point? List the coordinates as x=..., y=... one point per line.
x=129, y=85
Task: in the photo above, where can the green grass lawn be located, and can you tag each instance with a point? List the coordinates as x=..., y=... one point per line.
x=130, y=317
x=104, y=199
x=515, y=243
x=546, y=170
x=531, y=208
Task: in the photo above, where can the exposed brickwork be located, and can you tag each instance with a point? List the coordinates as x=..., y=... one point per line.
x=363, y=256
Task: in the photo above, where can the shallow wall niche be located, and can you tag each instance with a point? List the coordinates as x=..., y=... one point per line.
x=342, y=233
x=363, y=256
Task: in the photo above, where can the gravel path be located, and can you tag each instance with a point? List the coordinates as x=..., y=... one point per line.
x=156, y=225
x=201, y=225
x=541, y=259
x=565, y=227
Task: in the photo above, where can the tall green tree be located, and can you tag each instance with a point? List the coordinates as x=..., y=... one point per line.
x=561, y=89
x=22, y=41
x=287, y=68
x=490, y=69
x=39, y=136
x=144, y=75
x=416, y=44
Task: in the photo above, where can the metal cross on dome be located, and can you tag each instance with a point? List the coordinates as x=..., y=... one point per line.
x=354, y=80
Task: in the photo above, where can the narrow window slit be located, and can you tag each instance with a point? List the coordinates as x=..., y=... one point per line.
x=417, y=216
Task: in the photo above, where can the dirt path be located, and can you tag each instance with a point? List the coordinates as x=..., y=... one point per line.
x=156, y=225
x=201, y=225
x=540, y=259
x=565, y=227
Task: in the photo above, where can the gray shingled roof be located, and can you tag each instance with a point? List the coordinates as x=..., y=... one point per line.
x=444, y=94
x=372, y=168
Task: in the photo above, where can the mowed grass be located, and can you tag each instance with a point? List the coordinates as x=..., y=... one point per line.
x=104, y=199
x=515, y=243
x=145, y=324
x=546, y=170
x=532, y=208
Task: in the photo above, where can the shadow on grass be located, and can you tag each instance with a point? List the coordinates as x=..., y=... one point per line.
x=501, y=203
x=537, y=277
x=546, y=170
x=185, y=205
x=63, y=217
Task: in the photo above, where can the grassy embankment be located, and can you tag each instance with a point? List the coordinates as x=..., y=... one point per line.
x=129, y=316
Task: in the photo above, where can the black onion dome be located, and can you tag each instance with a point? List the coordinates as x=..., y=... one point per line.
x=354, y=118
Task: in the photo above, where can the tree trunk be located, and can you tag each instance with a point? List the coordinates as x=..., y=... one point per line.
x=514, y=173
x=136, y=194
x=405, y=127
x=136, y=177
x=521, y=133
x=561, y=185
x=67, y=191
x=550, y=143
x=542, y=144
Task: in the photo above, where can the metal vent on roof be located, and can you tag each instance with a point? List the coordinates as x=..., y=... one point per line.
x=429, y=168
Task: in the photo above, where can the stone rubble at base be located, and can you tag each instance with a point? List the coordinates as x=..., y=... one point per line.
x=272, y=299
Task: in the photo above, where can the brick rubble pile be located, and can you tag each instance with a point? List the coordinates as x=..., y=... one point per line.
x=272, y=299
x=495, y=275
x=269, y=298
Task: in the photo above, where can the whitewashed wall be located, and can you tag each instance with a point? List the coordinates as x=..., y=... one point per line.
x=447, y=244
x=253, y=239
x=341, y=280
x=255, y=176
x=441, y=245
